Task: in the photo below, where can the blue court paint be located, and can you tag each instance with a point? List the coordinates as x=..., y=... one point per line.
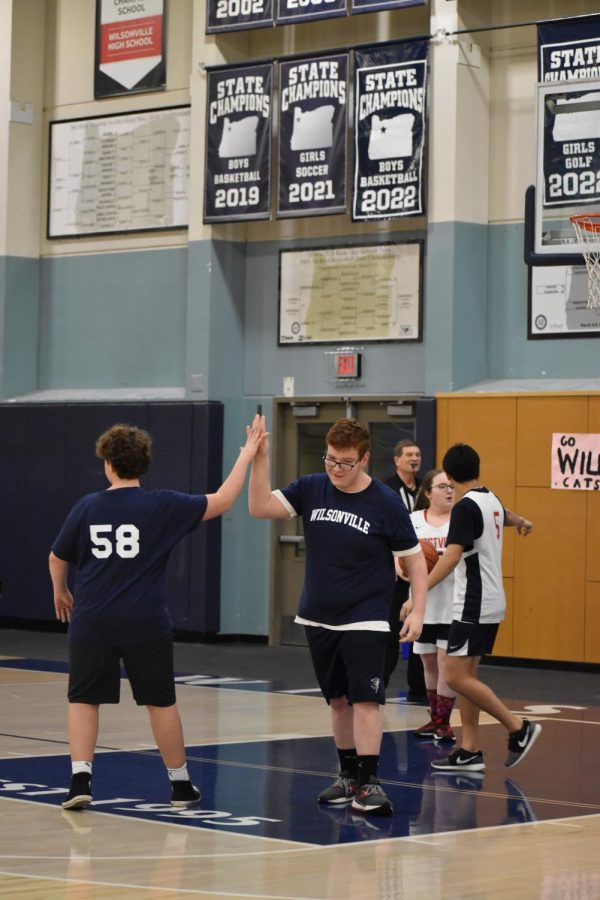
x=269, y=788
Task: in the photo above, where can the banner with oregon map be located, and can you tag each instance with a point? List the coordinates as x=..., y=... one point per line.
x=237, y=183
x=130, y=47
x=312, y=136
x=390, y=89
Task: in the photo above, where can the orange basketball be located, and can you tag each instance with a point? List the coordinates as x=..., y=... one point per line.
x=430, y=554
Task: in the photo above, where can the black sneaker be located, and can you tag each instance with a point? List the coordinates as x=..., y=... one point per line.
x=460, y=760
x=520, y=742
x=370, y=800
x=184, y=793
x=80, y=792
x=342, y=790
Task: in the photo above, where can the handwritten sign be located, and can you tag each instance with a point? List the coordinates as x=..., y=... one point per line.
x=575, y=462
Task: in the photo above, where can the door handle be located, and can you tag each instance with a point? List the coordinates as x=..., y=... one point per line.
x=291, y=538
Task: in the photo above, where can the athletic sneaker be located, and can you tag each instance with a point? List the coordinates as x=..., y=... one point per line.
x=371, y=800
x=342, y=790
x=184, y=793
x=427, y=732
x=444, y=734
x=460, y=760
x=80, y=792
x=520, y=743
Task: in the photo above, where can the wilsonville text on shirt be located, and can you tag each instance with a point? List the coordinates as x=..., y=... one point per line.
x=340, y=517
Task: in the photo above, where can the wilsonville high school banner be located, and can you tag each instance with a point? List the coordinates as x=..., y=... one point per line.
x=312, y=136
x=390, y=88
x=569, y=50
x=130, y=47
x=238, y=143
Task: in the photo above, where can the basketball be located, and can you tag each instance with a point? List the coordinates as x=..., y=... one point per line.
x=430, y=554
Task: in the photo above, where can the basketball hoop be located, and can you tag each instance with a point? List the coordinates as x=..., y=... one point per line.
x=587, y=229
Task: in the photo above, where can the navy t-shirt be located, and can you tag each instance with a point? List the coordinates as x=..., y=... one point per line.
x=120, y=541
x=350, y=539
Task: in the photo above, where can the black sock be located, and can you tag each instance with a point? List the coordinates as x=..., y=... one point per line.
x=367, y=767
x=348, y=761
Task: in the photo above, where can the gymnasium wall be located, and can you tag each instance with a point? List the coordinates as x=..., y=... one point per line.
x=196, y=310
x=552, y=577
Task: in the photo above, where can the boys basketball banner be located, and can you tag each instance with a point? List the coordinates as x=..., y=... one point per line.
x=312, y=136
x=575, y=462
x=569, y=50
x=360, y=6
x=130, y=47
x=238, y=144
x=291, y=11
x=234, y=15
x=390, y=87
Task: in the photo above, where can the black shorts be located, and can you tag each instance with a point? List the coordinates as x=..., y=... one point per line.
x=471, y=638
x=349, y=663
x=95, y=672
x=433, y=637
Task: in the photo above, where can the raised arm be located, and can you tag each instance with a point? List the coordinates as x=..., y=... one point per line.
x=261, y=502
x=223, y=499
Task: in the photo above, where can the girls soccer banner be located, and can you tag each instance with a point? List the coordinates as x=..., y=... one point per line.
x=235, y=15
x=390, y=89
x=130, y=47
x=312, y=136
x=291, y=11
x=238, y=144
x=569, y=50
x=360, y=6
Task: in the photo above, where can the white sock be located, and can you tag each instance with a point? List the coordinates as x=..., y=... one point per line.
x=180, y=774
x=79, y=765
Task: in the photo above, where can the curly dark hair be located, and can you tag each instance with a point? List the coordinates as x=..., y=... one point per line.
x=348, y=433
x=127, y=448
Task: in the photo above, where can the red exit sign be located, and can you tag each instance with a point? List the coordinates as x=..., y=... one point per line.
x=347, y=365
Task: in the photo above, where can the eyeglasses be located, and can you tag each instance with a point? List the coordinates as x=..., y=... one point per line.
x=344, y=466
x=443, y=487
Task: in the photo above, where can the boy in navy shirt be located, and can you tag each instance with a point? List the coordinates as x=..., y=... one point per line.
x=120, y=540
x=353, y=527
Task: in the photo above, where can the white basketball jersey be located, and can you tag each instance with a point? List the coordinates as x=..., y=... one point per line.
x=478, y=588
x=438, y=610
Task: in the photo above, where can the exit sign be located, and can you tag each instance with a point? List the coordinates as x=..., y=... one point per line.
x=347, y=365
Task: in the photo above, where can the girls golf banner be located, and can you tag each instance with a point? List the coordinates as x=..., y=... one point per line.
x=390, y=89
x=312, y=136
x=238, y=144
x=569, y=50
x=234, y=15
x=130, y=47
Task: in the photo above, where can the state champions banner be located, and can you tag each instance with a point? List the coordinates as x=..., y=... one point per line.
x=569, y=50
x=390, y=88
x=313, y=120
x=130, y=47
x=291, y=11
x=360, y=6
x=237, y=183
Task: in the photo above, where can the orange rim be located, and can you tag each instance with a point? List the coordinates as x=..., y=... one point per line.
x=589, y=222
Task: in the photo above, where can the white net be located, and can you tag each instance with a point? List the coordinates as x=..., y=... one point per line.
x=587, y=229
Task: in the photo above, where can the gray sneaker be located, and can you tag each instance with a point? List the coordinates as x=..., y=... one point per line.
x=371, y=800
x=342, y=790
x=521, y=742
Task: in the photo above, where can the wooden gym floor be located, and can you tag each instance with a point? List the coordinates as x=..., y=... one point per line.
x=261, y=753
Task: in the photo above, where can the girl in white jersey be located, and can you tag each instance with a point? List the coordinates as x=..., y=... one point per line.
x=430, y=518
